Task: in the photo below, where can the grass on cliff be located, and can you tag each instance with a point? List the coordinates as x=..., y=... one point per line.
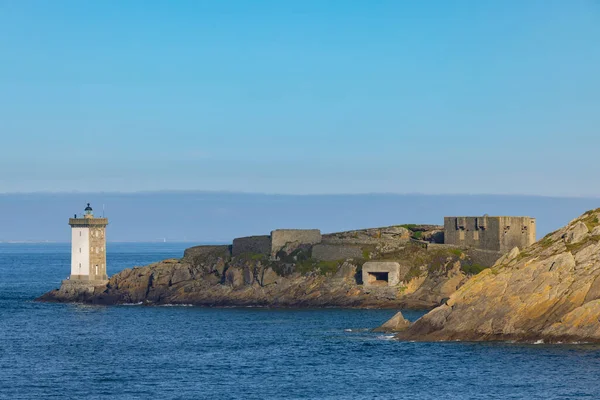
x=418, y=235
x=591, y=221
x=472, y=269
x=253, y=257
x=322, y=267
x=575, y=247
x=414, y=272
x=410, y=227
x=546, y=242
x=434, y=260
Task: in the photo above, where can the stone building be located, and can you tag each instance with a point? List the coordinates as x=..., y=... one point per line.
x=88, y=247
x=500, y=234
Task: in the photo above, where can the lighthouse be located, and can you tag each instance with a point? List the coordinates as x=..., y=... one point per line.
x=88, y=248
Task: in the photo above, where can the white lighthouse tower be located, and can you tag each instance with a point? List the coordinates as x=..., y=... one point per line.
x=88, y=248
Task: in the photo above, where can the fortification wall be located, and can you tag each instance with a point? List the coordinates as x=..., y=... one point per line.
x=354, y=241
x=252, y=245
x=499, y=234
x=281, y=237
x=332, y=252
x=516, y=232
x=486, y=258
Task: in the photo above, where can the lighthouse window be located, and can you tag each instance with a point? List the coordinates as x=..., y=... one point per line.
x=80, y=249
x=80, y=233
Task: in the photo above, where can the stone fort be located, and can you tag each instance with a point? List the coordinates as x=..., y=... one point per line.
x=276, y=241
x=500, y=234
x=486, y=239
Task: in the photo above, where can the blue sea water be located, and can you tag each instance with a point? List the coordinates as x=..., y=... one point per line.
x=71, y=351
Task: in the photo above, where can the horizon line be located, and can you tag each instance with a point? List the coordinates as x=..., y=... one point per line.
x=191, y=191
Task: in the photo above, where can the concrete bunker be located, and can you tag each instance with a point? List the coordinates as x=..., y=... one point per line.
x=381, y=273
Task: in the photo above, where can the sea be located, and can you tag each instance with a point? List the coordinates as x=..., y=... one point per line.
x=77, y=351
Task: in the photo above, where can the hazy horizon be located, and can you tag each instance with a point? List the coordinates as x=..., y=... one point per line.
x=275, y=193
x=218, y=217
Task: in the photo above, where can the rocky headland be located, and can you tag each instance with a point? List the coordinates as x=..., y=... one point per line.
x=327, y=274
x=547, y=292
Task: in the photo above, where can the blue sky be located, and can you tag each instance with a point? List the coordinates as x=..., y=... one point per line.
x=301, y=96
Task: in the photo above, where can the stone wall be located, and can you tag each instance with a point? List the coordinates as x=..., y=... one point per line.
x=281, y=237
x=490, y=233
x=97, y=257
x=486, y=258
x=251, y=245
x=371, y=235
x=332, y=252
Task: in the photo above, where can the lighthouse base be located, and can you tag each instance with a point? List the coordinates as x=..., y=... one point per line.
x=74, y=288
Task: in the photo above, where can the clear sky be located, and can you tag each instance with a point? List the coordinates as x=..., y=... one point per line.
x=306, y=96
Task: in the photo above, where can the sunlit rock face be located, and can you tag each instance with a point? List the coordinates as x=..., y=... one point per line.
x=549, y=291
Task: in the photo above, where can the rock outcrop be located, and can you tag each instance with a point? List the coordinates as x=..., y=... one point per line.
x=211, y=276
x=549, y=291
x=396, y=324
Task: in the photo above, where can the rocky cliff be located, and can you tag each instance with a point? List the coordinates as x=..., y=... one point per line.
x=549, y=291
x=210, y=276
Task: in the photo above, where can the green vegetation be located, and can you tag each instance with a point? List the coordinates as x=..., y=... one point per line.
x=575, y=247
x=366, y=254
x=328, y=267
x=282, y=269
x=417, y=235
x=472, y=269
x=591, y=220
x=439, y=259
x=456, y=252
x=412, y=254
x=322, y=267
x=546, y=242
x=413, y=272
x=410, y=227
x=253, y=257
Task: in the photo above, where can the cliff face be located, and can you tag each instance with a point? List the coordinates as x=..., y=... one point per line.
x=210, y=276
x=549, y=291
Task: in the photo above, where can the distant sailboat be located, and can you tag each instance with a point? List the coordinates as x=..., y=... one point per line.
x=164, y=240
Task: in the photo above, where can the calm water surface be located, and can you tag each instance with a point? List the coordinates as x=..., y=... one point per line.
x=135, y=352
